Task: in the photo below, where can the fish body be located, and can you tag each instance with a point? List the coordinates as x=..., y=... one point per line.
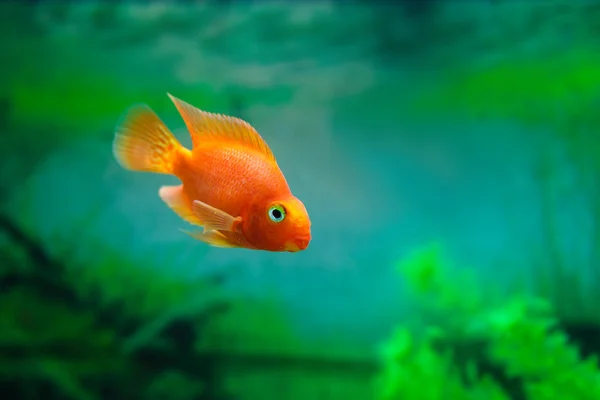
x=231, y=184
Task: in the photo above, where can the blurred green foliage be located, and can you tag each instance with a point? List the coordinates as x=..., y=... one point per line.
x=558, y=94
x=110, y=330
x=480, y=348
x=537, y=89
x=33, y=101
x=120, y=329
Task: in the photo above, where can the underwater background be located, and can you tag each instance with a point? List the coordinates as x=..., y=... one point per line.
x=448, y=153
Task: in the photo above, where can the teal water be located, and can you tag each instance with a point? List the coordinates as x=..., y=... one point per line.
x=333, y=90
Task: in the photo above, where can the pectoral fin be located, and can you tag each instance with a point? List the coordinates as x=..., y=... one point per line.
x=214, y=219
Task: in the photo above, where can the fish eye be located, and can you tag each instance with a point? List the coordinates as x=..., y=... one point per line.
x=276, y=213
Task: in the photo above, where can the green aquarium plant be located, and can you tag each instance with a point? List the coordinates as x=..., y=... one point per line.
x=75, y=328
x=103, y=329
x=479, y=347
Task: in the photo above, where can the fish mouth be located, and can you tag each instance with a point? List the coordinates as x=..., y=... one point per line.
x=299, y=243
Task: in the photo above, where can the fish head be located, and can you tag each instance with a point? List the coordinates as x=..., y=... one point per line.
x=281, y=225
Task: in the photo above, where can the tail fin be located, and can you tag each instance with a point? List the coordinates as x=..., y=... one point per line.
x=144, y=143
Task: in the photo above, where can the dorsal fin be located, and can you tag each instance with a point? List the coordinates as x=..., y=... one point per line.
x=206, y=126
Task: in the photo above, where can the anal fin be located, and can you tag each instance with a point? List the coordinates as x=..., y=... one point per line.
x=213, y=238
x=176, y=199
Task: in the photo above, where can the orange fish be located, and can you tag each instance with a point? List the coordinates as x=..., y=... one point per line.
x=231, y=183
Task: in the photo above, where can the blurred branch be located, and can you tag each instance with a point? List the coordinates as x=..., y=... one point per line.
x=308, y=362
x=164, y=324
x=50, y=271
x=34, y=249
